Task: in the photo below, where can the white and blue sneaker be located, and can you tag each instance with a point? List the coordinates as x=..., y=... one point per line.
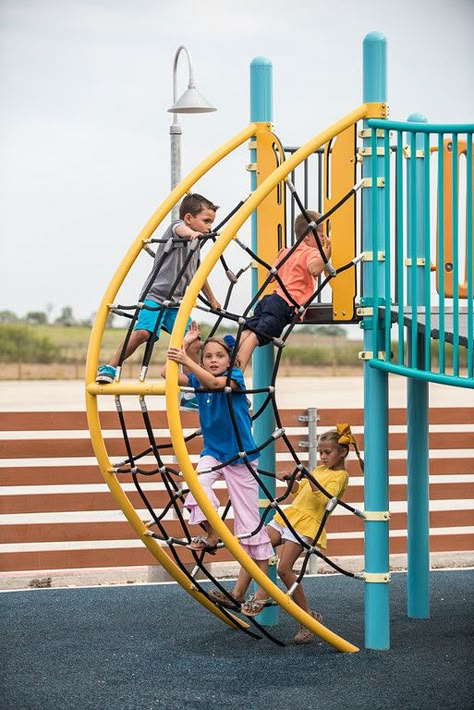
x=105, y=374
x=188, y=401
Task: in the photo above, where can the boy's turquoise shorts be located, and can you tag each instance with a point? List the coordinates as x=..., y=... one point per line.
x=147, y=318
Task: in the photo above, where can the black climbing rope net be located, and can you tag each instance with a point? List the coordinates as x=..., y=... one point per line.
x=166, y=521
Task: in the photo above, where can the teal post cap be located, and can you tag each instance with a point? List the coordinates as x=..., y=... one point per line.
x=260, y=62
x=417, y=118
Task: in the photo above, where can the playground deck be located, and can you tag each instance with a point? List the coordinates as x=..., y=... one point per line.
x=150, y=646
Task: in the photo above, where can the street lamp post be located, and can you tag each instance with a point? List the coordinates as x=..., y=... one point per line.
x=191, y=101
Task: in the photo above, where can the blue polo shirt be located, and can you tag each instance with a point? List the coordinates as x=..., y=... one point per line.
x=216, y=425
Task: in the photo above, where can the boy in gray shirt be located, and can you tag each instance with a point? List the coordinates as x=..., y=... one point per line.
x=196, y=216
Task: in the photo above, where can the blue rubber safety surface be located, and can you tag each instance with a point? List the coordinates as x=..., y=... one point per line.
x=152, y=646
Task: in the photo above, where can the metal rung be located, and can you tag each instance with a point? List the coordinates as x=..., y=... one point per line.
x=367, y=133
x=367, y=151
x=380, y=577
x=367, y=182
x=368, y=355
x=375, y=516
x=420, y=261
x=369, y=256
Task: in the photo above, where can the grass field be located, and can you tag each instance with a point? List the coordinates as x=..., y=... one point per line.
x=305, y=354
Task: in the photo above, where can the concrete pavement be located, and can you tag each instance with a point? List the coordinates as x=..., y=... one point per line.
x=292, y=392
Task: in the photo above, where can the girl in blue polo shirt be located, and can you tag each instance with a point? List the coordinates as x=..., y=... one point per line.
x=222, y=445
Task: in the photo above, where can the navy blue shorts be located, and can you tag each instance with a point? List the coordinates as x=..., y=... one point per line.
x=271, y=315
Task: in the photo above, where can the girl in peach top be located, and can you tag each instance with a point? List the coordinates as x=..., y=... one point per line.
x=298, y=275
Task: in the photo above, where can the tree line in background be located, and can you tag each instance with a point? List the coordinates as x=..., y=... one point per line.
x=66, y=317
x=66, y=341
x=34, y=339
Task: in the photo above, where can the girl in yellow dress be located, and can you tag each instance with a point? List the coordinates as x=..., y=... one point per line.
x=304, y=515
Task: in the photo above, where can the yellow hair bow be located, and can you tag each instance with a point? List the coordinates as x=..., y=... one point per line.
x=345, y=435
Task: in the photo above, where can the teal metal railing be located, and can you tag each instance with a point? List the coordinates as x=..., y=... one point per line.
x=421, y=217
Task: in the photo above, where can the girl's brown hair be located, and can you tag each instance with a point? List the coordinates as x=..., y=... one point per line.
x=301, y=223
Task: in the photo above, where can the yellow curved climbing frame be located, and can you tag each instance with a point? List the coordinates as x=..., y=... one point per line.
x=171, y=390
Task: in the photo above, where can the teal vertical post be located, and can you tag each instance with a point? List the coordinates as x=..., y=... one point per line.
x=377, y=606
x=261, y=109
x=417, y=390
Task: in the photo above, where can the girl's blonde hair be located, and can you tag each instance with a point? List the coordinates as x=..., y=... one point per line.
x=343, y=438
x=223, y=344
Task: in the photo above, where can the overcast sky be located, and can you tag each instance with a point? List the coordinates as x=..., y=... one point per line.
x=84, y=131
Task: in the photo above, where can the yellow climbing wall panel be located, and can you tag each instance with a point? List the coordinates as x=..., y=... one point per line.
x=446, y=258
x=271, y=211
x=339, y=174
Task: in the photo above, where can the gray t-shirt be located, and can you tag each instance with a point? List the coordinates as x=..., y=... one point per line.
x=158, y=285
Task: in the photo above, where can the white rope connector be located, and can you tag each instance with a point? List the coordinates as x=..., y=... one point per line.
x=277, y=433
x=291, y=187
x=293, y=589
x=331, y=504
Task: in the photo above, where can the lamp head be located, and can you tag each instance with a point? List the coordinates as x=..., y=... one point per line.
x=192, y=101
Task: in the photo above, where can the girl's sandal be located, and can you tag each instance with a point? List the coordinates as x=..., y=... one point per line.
x=254, y=606
x=303, y=634
x=201, y=544
x=227, y=601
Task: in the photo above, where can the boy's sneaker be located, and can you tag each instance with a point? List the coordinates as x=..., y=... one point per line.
x=105, y=374
x=188, y=401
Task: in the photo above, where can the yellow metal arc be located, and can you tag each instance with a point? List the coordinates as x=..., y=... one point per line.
x=139, y=388
x=172, y=388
